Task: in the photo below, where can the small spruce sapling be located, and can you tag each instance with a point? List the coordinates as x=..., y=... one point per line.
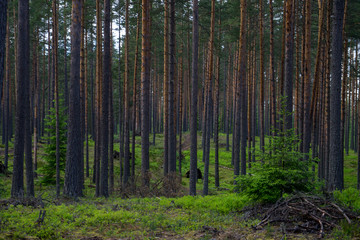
x=283, y=169
x=48, y=171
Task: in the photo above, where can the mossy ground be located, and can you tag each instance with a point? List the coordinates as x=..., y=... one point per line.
x=217, y=216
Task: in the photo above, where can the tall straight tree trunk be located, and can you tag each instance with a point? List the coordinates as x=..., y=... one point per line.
x=207, y=96
x=82, y=88
x=307, y=78
x=3, y=24
x=86, y=109
x=241, y=111
x=98, y=96
x=134, y=97
x=126, y=100
x=104, y=178
x=336, y=165
x=261, y=105
x=111, y=117
x=22, y=99
x=171, y=105
x=194, y=100
x=72, y=185
x=120, y=110
x=180, y=107
x=228, y=102
x=166, y=85
x=327, y=92
x=145, y=91
x=66, y=88
x=242, y=86
x=344, y=84
x=289, y=63
x=56, y=77
x=217, y=106
x=272, y=71
x=7, y=93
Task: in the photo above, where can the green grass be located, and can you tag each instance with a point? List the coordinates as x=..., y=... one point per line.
x=150, y=218
x=140, y=218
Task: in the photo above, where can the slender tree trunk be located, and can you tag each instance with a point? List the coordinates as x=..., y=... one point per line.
x=344, y=84
x=98, y=97
x=126, y=100
x=194, y=100
x=3, y=27
x=336, y=165
x=22, y=136
x=242, y=85
x=86, y=109
x=72, y=186
x=82, y=88
x=145, y=91
x=207, y=97
x=57, y=130
x=307, y=79
x=134, y=97
x=171, y=105
x=289, y=63
x=165, y=88
x=104, y=178
x=7, y=93
x=66, y=88
x=217, y=106
x=271, y=67
x=111, y=119
x=241, y=113
x=180, y=107
x=261, y=105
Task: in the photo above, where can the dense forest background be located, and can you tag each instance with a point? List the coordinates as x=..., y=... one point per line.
x=221, y=119
x=242, y=70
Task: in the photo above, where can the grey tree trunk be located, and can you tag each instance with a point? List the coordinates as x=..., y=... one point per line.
x=336, y=165
x=72, y=184
x=3, y=21
x=194, y=100
x=289, y=62
x=104, y=185
x=22, y=97
x=172, y=134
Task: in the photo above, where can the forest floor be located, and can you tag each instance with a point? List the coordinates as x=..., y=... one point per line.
x=144, y=215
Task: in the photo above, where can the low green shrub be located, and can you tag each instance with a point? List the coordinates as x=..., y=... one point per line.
x=349, y=197
x=282, y=170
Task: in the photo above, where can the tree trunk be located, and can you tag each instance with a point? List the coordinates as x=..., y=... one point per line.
x=166, y=85
x=126, y=100
x=194, y=100
x=307, y=79
x=98, y=97
x=261, y=105
x=56, y=77
x=289, y=63
x=171, y=106
x=7, y=93
x=271, y=67
x=3, y=27
x=145, y=91
x=72, y=185
x=336, y=165
x=134, y=97
x=104, y=180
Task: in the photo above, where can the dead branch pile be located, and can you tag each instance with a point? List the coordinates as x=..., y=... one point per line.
x=168, y=186
x=305, y=214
